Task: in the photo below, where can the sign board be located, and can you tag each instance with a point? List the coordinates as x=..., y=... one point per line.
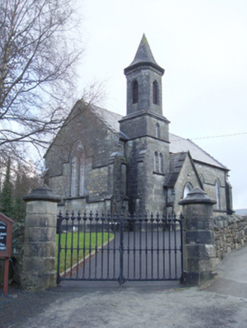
x=5, y=247
x=5, y=236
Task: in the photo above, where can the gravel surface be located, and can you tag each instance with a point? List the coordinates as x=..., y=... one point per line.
x=222, y=303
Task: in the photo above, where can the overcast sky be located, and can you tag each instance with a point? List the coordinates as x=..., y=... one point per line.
x=202, y=46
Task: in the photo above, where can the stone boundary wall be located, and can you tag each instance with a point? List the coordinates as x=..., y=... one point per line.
x=230, y=233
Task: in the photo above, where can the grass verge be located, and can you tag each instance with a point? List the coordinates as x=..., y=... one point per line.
x=79, y=245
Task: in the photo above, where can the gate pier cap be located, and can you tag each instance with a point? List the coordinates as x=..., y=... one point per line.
x=42, y=193
x=197, y=196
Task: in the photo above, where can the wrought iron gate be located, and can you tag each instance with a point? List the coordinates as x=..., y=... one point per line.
x=119, y=248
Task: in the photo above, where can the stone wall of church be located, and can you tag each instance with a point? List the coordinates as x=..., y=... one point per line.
x=187, y=174
x=210, y=175
x=83, y=204
x=145, y=184
x=145, y=124
x=97, y=182
x=154, y=189
x=57, y=184
x=98, y=143
x=97, y=139
x=145, y=78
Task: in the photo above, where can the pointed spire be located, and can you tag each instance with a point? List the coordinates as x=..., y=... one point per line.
x=144, y=53
x=144, y=56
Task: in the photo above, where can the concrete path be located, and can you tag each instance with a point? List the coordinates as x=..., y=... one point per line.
x=222, y=303
x=232, y=276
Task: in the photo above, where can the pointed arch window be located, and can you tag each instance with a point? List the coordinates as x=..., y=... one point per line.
x=73, y=177
x=157, y=130
x=155, y=92
x=135, y=92
x=218, y=194
x=77, y=171
x=161, y=163
x=187, y=188
x=156, y=161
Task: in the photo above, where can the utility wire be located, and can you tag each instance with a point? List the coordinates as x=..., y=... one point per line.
x=223, y=135
x=210, y=137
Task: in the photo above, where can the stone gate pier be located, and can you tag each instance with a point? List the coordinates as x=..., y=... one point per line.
x=199, y=249
x=40, y=239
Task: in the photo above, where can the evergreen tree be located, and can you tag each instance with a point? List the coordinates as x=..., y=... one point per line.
x=25, y=180
x=20, y=189
x=6, y=199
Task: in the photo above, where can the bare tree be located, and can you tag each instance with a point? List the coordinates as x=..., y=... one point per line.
x=38, y=56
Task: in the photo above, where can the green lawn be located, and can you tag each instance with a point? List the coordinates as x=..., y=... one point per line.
x=79, y=246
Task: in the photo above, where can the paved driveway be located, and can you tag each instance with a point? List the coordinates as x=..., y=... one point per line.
x=145, y=255
x=223, y=303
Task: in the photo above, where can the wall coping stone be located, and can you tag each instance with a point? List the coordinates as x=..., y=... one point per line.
x=226, y=220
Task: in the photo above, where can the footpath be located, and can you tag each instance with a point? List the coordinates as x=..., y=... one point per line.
x=220, y=303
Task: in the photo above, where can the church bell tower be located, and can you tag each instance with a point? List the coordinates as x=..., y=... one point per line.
x=147, y=149
x=144, y=95
x=144, y=85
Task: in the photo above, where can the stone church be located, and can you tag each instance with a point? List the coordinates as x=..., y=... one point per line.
x=101, y=161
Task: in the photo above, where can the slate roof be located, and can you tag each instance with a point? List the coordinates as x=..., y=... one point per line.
x=175, y=165
x=179, y=144
x=109, y=118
